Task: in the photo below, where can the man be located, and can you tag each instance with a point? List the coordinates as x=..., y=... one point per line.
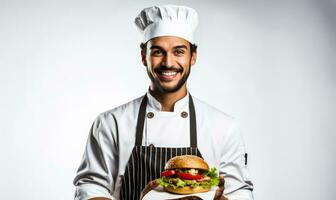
x=128, y=146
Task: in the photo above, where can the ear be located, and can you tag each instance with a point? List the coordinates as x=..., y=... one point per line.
x=143, y=57
x=193, y=57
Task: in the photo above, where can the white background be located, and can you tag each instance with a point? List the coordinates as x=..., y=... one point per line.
x=271, y=64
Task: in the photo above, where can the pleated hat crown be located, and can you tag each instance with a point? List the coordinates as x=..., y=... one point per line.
x=167, y=20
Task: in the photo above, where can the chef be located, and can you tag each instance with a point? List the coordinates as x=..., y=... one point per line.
x=129, y=145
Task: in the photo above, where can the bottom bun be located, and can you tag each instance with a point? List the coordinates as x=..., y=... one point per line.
x=187, y=190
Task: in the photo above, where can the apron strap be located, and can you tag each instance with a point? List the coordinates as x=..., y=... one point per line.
x=141, y=122
x=193, y=125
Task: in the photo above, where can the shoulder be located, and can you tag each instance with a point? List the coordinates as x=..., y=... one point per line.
x=207, y=111
x=128, y=109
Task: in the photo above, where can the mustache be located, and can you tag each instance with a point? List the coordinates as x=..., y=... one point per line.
x=162, y=68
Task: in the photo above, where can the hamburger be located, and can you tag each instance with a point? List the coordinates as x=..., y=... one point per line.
x=188, y=175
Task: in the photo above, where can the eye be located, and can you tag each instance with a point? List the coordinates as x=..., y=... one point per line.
x=156, y=52
x=179, y=52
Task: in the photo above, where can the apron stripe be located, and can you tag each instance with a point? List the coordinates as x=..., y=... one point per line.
x=165, y=158
x=150, y=162
x=139, y=174
x=170, y=153
x=143, y=172
x=147, y=163
x=158, y=156
x=129, y=181
x=155, y=165
x=145, y=167
x=141, y=169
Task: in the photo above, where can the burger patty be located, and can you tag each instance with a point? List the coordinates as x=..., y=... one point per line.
x=188, y=182
x=206, y=178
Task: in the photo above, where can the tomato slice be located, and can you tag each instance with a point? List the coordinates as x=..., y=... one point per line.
x=188, y=176
x=168, y=173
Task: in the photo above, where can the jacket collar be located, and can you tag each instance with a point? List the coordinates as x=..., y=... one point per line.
x=181, y=104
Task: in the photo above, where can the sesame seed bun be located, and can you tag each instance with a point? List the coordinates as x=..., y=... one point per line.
x=187, y=161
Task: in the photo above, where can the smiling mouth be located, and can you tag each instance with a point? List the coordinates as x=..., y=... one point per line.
x=166, y=75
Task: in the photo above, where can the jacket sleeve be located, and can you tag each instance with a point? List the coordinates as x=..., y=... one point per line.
x=233, y=165
x=98, y=168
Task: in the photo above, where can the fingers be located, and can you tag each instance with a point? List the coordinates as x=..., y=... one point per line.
x=221, y=182
x=220, y=190
x=151, y=185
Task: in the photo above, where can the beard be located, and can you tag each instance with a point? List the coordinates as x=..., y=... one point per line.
x=176, y=87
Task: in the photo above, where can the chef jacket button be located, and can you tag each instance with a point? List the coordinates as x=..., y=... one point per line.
x=184, y=114
x=150, y=115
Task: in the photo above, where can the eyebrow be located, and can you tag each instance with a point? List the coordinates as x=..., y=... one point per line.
x=181, y=46
x=176, y=47
x=156, y=47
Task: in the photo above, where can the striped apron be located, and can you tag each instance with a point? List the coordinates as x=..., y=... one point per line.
x=147, y=162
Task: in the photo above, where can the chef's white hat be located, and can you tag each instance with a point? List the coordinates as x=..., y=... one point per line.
x=167, y=20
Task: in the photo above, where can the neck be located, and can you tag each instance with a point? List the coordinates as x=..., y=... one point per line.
x=168, y=100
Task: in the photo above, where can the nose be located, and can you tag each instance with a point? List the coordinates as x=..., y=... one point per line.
x=168, y=60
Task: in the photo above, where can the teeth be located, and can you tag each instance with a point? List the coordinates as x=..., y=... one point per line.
x=169, y=73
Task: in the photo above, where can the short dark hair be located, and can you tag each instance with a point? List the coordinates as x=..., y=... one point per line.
x=193, y=47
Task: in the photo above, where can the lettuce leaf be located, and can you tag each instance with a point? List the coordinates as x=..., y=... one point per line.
x=212, y=173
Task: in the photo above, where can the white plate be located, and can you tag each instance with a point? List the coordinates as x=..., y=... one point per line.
x=159, y=194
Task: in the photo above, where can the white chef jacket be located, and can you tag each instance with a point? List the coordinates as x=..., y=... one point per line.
x=112, y=138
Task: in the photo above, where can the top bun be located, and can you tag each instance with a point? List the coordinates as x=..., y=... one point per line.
x=187, y=161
